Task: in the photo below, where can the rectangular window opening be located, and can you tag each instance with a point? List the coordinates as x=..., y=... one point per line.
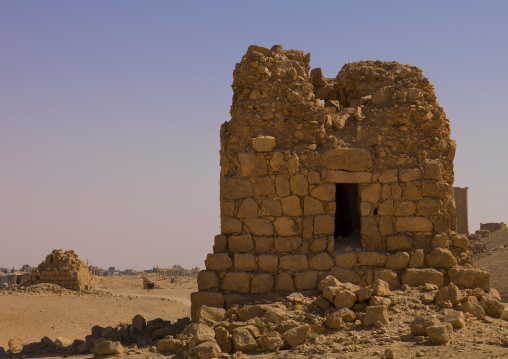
x=347, y=215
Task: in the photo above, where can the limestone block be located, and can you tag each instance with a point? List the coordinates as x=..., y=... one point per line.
x=285, y=226
x=243, y=340
x=416, y=277
x=410, y=192
x=263, y=143
x=386, y=208
x=493, y=307
x=321, y=262
x=277, y=161
x=470, y=278
x=388, y=176
x=220, y=243
x=314, y=177
x=263, y=244
x=398, y=243
x=419, y=324
x=348, y=177
x=385, y=226
x=208, y=349
x=347, y=159
x=211, y=313
x=293, y=163
x=299, y=185
x=210, y=299
x=282, y=185
x=230, y=225
x=376, y=313
x=373, y=259
x=346, y=260
x=386, y=191
x=297, y=335
x=470, y=305
x=428, y=206
x=346, y=275
x=439, y=241
x=432, y=170
x=264, y=186
x=324, y=224
x=318, y=245
x=387, y=276
x=218, y=261
x=410, y=174
x=294, y=263
x=291, y=206
x=344, y=299
x=248, y=209
x=284, y=283
x=334, y=320
x=398, y=260
x=413, y=224
x=287, y=244
x=440, y=333
x=246, y=163
x=328, y=281
x=433, y=189
x=324, y=192
x=241, y=243
x=306, y=280
x=312, y=206
x=449, y=293
x=271, y=207
x=259, y=226
x=245, y=262
x=268, y=263
x=236, y=188
x=371, y=193
x=369, y=228
x=238, y=282
x=365, y=209
x=460, y=241
x=454, y=317
x=208, y=280
x=396, y=191
x=417, y=259
x=440, y=258
x=262, y=283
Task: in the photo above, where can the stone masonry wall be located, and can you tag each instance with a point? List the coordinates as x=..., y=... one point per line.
x=64, y=269
x=291, y=138
x=460, y=196
x=492, y=227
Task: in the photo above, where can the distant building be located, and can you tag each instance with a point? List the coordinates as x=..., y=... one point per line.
x=460, y=195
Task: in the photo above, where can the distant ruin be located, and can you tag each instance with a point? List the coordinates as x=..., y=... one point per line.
x=460, y=196
x=350, y=176
x=492, y=227
x=64, y=269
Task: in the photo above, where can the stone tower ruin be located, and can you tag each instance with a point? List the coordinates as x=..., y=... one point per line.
x=350, y=176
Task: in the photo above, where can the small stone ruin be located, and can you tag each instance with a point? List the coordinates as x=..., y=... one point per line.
x=64, y=269
x=349, y=176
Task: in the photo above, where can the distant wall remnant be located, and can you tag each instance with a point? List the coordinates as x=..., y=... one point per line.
x=492, y=227
x=460, y=195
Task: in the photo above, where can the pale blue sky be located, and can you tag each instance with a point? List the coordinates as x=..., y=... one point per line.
x=110, y=110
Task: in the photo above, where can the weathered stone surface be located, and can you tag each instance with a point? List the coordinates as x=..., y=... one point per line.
x=169, y=345
x=282, y=185
x=287, y=244
x=328, y=281
x=449, y=293
x=62, y=342
x=206, y=350
x=264, y=186
x=240, y=244
x=413, y=224
x=321, y=262
x=263, y=143
x=346, y=275
x=237, y=188
x=470, y=278
x=417, y=259
x=297, y=335
x=243, y=340
x=207, y=280
x=324, y=224
x=420, y=324
x=470, y=305
x=344, y=299
x=347, y=159
x=271, y=207
x=211, y=313
x=371, y=193
x=294, y=263
x=245, y=262
x=248, y=209
x=324, y=192
x=263, y=244
x=440, y=258
x=291, y=206
x=388, y=176
x=409, y=174
x=492, y=307
x=363, y=294
x=398, y=243
x=299, y=185
x=284, y=282
x=429, y=206
x=230, y=225
x=218, y=261
x=220, y=243
x=454, y=317
x=262, y=283
x=348, y=177
x=306, y=280
x=380, y=288
x=334, y=320
x=268, y=263
x=272, y=341
x=312, y=206
x=377, y=313
x=210, y=299
x=346, y=260
x=259, y=226
x=238, y=282
x=415, y=277
x=373, y=259
x=398, y=260
x=104, y=347
x=285, y=226
x=440, y=333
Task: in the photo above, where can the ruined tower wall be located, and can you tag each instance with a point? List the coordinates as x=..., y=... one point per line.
x=292, y=138
x=460, y=196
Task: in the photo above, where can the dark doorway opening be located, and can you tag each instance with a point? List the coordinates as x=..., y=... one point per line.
x=347, y=212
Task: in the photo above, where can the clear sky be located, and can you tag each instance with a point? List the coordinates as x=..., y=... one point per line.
x=110, y=110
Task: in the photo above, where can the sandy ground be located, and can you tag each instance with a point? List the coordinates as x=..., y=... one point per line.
x=30, y=317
